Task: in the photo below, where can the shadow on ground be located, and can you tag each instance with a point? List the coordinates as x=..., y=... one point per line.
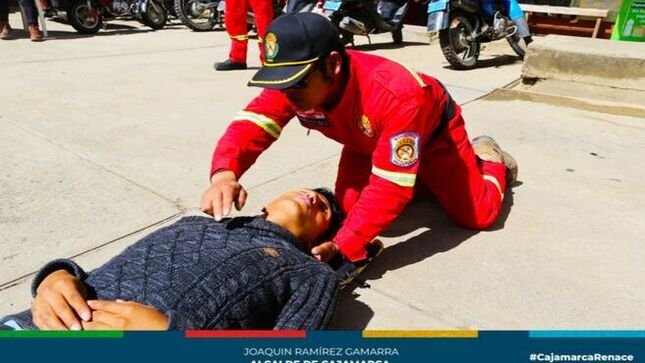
x=381, y=46
x=440, y=235
x=493, y=61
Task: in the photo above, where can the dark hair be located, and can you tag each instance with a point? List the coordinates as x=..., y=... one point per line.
x=337, y=215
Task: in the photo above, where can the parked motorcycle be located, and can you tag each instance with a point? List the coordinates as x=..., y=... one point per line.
x=364, y=17
x=154, y=13
x=204, y=15
x=200, y=15
x=463, y=25
x=300, y=6
x=87, y=16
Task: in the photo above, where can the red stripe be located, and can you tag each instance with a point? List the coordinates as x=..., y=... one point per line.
x=245, y=334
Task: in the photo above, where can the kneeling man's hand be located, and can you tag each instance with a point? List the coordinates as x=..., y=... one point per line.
x=124, y=315
x=60, y=300
x=220, y=196
x=325, y=251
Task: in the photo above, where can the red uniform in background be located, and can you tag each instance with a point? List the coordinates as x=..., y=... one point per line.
x=397, y=127
x=237, y=27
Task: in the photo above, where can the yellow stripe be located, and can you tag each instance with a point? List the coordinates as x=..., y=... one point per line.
x=239, y=37
x=414, y=74
x=494, y=180
x=281, y=81
x=420, y=334
x=297, y=63
x=266, y=123
x=402, y=179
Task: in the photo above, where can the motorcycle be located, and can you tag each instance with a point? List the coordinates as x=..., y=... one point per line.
x=87, y=16
x=463, y=25
x=204, y=15
x=364, y=17
x=154, y=13
x=300, y=6
x=200, y=15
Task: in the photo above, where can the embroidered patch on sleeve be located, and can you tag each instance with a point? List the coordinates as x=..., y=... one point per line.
x=405, y=148
x=365, y=126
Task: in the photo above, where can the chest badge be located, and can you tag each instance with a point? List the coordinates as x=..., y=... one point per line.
x=365, y=126
x=405, y=149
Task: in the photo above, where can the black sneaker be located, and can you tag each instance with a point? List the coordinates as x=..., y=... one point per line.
x=228, y=65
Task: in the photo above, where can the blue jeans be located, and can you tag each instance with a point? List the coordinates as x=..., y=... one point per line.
x=29, y=6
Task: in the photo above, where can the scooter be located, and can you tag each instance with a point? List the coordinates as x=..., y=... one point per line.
x=362, y=17
x=463, y=25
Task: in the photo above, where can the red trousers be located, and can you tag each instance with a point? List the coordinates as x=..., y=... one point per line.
x=469, y=190
x=237, y=28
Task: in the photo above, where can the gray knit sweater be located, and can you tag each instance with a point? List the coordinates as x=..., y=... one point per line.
x=242, y=273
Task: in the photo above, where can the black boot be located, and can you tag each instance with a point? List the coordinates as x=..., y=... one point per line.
x=229, y=65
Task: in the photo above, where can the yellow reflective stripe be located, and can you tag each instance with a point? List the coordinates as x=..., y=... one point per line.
x=414, y=74
x=297, y=63
x=280, y=81
x=239, y=37
x=402, y=179
x=495, y=182
x=267, y=124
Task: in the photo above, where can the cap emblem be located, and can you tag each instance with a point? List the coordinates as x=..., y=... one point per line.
x=270, y=46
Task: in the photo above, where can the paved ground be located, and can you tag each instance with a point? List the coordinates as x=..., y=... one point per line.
x=105, y=138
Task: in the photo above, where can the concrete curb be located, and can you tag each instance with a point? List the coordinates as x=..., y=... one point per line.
x=587, y=104
x=595, y=61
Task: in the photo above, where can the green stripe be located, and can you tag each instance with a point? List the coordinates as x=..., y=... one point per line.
x=60, y=334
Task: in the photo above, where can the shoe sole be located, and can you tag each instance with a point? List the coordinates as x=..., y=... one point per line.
x=509, y=161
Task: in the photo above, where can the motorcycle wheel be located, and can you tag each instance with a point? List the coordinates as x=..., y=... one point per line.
x=80, y=17
x=198, y=15
x=518, y=44
x=155, y=15
x=457, y=45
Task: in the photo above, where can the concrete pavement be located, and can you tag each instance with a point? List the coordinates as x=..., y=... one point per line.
x=106, y=138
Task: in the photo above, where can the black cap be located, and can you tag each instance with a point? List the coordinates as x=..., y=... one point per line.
x=292, y=45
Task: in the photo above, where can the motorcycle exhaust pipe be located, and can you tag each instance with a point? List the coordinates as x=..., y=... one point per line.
x=353, y=26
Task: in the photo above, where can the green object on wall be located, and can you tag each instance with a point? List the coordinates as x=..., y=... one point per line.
x=630, y=22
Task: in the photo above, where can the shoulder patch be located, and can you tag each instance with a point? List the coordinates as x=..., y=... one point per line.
x=404, y=149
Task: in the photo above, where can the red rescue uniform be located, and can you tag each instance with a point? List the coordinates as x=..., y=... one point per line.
x=237, y=28
x=397, y=126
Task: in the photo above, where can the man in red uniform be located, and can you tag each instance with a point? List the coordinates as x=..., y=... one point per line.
x=398, y=127
x=237, y=29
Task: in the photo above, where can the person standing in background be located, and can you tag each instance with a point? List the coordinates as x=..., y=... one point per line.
x=31, y=14
x=237, y=29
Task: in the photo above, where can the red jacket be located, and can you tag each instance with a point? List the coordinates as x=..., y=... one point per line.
x=387, y=111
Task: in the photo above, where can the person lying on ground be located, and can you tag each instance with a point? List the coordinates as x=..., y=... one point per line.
x=240, y=273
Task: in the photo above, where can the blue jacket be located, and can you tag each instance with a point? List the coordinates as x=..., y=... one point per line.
x=242, y=273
